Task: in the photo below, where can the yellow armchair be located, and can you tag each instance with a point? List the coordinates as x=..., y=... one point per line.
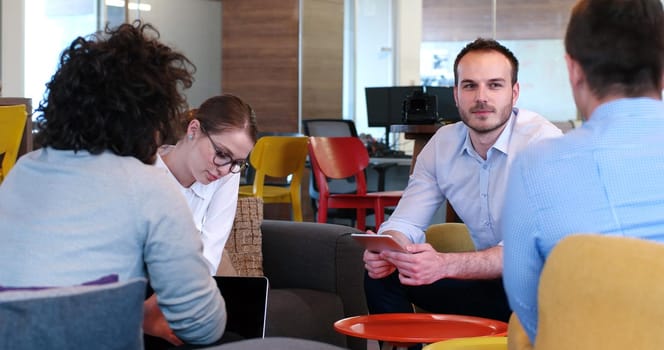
x=450, y=237
x=278, y=157
x=596, y=292
x=12, y=122
x=602, y=292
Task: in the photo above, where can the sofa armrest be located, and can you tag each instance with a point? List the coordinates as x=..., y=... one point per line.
x=315, y=256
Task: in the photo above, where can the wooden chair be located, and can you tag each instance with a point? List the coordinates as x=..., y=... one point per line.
x=12, y=123
x=278, y=157
x=342, y=157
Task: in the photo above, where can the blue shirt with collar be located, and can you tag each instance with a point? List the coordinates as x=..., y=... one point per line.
x=448, y=168
x=605, y=177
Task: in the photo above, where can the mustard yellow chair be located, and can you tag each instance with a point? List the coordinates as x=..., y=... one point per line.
x=12, y=123
x=450, y=237
x=517, y=339
x=602, y=292
x=472, y=343
x=595, y=292
x=278, y=157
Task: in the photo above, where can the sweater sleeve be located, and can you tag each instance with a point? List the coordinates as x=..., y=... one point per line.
x=173, y=254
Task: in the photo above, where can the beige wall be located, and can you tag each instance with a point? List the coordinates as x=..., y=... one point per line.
x=322, y=58
x=453, y=20
x=13, y=44
x=285, y=58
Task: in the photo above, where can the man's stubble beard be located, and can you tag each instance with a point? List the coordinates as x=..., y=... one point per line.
x=466, y=116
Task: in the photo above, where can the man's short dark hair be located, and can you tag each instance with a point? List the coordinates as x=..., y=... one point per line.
x=120, y=91
x=482, y=44
x=619, y=45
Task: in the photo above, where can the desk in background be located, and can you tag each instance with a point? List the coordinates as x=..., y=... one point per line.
x=421, y=133
x=402, y=161
x=382, y=164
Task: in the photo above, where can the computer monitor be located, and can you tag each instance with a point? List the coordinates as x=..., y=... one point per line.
x=385, y=105
x=447, y=109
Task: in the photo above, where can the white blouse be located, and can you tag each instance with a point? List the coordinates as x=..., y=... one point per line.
x=213, y=208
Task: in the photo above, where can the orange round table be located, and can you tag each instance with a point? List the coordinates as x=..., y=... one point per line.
x=402, y=330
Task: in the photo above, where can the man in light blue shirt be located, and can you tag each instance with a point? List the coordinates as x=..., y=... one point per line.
x=605, y=177
x=467, y=164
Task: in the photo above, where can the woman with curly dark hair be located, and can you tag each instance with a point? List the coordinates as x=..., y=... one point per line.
x=90, y=204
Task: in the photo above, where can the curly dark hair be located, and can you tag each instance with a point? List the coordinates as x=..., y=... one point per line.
x=121, y=91
x=483, y=44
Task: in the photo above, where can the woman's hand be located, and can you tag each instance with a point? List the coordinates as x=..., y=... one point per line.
x=155, y=324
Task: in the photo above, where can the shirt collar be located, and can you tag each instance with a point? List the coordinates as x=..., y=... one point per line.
x=617, y=109
x=503, y=140
x=202, y=191
x=195, y=189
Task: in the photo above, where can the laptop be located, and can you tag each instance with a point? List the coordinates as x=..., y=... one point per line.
x=246, y=304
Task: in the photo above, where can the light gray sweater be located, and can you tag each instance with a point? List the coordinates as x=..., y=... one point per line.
x=67, y=218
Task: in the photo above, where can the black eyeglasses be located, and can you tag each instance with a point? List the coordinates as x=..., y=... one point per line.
x=222, y=158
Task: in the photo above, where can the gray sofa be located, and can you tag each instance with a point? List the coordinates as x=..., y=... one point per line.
x=316, y=278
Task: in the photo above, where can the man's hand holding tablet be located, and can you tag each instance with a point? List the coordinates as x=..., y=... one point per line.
x=377, y=243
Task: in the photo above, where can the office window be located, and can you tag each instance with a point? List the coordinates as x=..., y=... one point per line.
x=51, y=25
x=372, y=61
x=533, y=30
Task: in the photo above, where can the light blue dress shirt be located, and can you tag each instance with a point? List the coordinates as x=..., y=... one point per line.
x=448, y=168
x=605, y=177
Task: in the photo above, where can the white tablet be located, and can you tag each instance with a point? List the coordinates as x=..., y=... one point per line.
x=377, y=243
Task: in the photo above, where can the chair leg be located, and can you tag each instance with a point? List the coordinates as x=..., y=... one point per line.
x=314, y=207
x=379, y=213
x=361, y=219
x=296, y=206
x=322, y=211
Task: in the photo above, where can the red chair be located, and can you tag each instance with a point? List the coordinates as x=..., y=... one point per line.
x=339, y=158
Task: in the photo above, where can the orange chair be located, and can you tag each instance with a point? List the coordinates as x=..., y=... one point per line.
x=339, y=158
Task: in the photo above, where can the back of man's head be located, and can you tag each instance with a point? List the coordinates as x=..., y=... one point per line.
x=619, y=45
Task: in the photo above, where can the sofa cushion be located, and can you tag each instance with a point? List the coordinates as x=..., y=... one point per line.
x=304, y=313
x=276, y=343
x=106, y=316
x=112, y=278
x=244, y=245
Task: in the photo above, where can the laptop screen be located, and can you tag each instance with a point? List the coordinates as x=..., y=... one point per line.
x=246, y=304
